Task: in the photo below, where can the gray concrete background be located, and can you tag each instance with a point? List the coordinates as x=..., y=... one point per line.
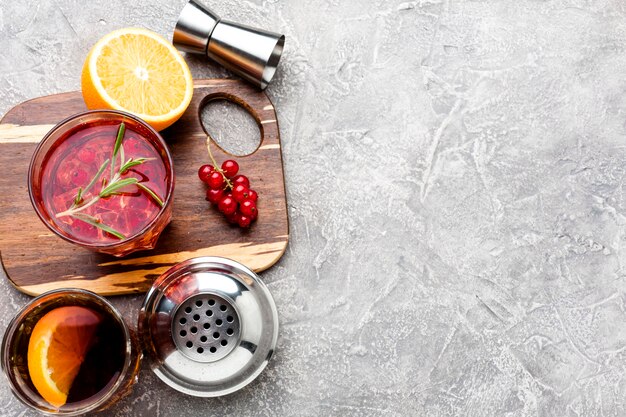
x=455, y=172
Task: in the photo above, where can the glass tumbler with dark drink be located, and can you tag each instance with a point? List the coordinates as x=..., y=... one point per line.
x=69, y=352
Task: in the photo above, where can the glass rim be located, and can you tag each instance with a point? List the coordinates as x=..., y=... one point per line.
x=98, y=246
x=13, y=326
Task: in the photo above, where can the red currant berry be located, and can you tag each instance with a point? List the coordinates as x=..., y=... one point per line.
x=233, y=218
x=241, y=179
x=86, y=155
x=214, y=195
x=247, y=207
x=205, y=172
x=244, y=221
x=227, y=205
x=136, y=203
x=240, y=193
x=216, y=180
x=230, y=168
x=79, y=177
x=136, y=219
x=253, y=195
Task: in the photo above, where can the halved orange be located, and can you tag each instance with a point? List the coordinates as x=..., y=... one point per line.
x=57, y=348
x=138, y=71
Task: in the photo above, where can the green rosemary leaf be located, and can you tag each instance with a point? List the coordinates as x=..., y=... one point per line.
x=95, y=178
x=118, y=140
x=79, y=196
x=131, y=163
x=116, y=146
x=152, y=194
x=114, y=186
x=97, y=223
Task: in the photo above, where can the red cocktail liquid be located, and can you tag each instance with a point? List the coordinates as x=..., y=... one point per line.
x=73, y=162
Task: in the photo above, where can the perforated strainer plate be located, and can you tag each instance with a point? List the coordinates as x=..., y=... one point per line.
x=209, y=326
x=206, y=327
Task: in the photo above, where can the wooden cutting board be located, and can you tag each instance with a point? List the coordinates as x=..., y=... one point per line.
x=36, y=260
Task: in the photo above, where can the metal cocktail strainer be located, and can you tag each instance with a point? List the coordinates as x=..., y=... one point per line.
x=209, y=326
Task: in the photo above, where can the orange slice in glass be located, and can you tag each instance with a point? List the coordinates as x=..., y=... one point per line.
x=57, y=348
x=138, y=71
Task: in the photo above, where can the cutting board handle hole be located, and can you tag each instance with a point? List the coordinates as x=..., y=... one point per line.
x=231, y=126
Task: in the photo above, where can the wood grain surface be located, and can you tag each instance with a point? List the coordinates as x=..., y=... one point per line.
x=36, y=260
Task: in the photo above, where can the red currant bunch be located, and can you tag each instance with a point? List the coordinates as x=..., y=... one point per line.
x=231, y=193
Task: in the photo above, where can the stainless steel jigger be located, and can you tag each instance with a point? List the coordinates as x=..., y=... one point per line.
x=251, y=53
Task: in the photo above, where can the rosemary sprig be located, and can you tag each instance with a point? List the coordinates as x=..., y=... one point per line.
x=151, y=194
x=116, y=185
x=131, y=163
x=122, y=159
x=110, y=187
x=79, y=196
x=116, y=147
x=95, y=178
x=97, y=223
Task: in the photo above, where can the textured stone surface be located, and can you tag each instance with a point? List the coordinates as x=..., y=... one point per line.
x=455, y=172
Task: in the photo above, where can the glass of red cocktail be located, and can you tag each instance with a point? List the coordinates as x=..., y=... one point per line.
x=103, y=180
